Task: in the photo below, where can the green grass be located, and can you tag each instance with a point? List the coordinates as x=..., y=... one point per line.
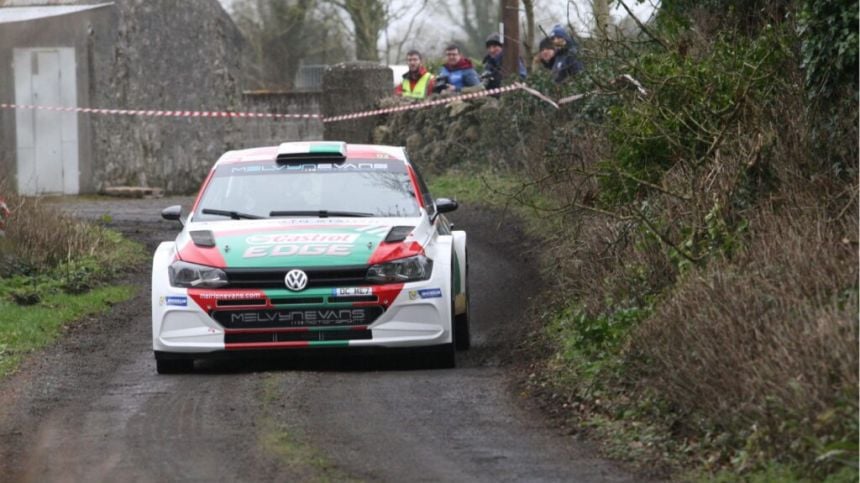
x=485, y=188
x=39, y=298
x=287, y=444
x=776, y=472
x=501, y=191
x=24, y=329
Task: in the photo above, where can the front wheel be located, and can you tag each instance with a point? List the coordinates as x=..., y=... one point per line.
x=462, y=333
x=462, y=338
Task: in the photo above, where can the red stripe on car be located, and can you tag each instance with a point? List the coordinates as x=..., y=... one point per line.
x=297, y=344
x=202, y=189
x=208, y=299
x=285, y=329
x=385, y=293
x=386, y=252
x=415, y=187
x=204, y=256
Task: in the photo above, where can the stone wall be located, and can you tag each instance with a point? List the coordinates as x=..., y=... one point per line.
x=266, y=131
x=164, y=54
x=177, y=55
x=476, y=133
x=354, y=87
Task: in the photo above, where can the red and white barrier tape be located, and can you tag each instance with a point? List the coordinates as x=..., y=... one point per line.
x=154, y=113
x=436, y=102
x=264, y=115
x=258, y=115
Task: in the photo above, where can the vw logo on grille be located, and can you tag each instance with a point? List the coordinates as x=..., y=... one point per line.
x=296, y=280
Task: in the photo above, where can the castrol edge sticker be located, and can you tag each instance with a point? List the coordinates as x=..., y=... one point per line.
x=300, y=244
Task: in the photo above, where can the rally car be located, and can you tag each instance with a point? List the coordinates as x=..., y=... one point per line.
x=316, y=246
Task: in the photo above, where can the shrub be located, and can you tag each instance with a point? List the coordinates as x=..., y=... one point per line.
x=38, y=237
x=829, y=48
x=696, y=100
x=45, y=250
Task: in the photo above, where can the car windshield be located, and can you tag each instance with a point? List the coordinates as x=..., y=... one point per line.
x=354, y=188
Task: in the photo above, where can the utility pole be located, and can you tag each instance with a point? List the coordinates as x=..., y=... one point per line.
x=511, y=21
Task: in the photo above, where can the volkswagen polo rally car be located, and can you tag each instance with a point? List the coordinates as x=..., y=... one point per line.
x=310, y=246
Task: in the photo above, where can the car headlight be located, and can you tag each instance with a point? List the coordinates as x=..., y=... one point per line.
x=409, y=269
x=184, y=274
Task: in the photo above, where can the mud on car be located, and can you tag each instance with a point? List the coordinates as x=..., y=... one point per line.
x=311, y=246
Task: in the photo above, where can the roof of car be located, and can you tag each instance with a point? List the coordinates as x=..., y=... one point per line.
x=353, y=151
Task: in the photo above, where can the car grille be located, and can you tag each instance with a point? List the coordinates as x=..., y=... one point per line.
x=274, y=277
x=279, y=336
x=315, y=318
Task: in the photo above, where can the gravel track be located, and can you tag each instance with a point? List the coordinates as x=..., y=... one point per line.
x=92, y=408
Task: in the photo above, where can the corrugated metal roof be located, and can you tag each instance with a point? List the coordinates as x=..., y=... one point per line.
x=25, y=14
x=37, y=3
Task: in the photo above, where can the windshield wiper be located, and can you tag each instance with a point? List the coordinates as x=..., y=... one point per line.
x=232, y=214
x=322, y=213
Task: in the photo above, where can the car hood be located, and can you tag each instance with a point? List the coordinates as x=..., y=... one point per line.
x=293, y=242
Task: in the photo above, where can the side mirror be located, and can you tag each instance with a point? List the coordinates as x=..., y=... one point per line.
x=444, y=205
x=173, y=213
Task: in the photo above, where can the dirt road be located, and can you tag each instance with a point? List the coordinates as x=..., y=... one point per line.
x=91, y=407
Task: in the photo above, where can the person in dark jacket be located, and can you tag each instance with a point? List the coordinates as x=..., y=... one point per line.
x=457, y=73
x=558, y=54
x=492, y=75
x=417, y=82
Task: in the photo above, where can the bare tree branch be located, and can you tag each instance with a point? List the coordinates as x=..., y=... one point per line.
x=642, y=26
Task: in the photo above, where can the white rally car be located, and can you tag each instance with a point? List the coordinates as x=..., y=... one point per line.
x=310, y=246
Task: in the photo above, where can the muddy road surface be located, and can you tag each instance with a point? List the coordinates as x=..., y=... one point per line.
x=92, y=408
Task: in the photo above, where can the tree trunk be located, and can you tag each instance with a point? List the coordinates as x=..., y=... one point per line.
x=511, y=54
x=529, y=37
x=600, y=8
x=368, y=18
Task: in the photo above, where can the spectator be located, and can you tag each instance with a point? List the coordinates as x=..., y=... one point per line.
x=457, y=72
x=545, y=55
x=565, y=63
x=492, y=74
x=417, y=82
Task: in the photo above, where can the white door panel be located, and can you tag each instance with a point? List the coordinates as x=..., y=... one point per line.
x=47, y=140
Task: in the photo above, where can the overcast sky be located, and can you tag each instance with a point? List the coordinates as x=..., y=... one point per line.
x=434, y=30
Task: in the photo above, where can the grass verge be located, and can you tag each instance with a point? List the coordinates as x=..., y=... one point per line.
x=24, y=329
x=777, y=314
x=55, y=270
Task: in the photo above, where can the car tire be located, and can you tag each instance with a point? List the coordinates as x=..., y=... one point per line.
x=174, y=366
x=462, y=338
x=462, y=332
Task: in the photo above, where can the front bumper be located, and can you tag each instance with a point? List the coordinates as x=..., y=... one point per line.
x=186, y=321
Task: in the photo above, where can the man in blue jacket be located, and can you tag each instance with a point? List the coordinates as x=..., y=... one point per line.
x=493, y=63
x=565, y=64
x=457, y=73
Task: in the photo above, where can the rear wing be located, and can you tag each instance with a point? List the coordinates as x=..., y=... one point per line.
x=313, y=152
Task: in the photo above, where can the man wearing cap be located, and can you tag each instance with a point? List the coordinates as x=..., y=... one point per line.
x=417, y=82
x=492, y=75
x=558, y=55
